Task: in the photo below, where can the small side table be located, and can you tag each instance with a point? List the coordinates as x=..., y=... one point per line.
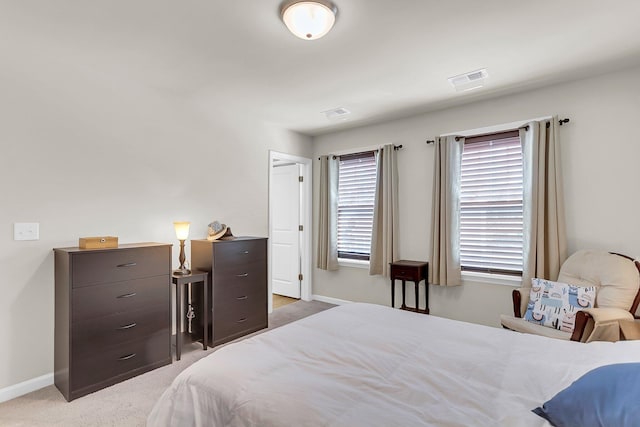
x=181, y=281
x=415, y=271
x=630, y=329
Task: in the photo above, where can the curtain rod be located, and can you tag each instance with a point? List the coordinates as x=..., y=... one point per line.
x=560, y=122
x=395, y=147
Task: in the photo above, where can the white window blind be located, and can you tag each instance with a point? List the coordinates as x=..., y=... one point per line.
x=491, y=204
x=356, y=192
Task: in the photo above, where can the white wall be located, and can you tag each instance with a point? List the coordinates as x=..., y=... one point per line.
x=87, y=152
x=600, y=153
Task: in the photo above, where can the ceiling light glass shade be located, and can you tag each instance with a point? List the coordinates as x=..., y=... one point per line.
x=309, y=20
x=182, y=230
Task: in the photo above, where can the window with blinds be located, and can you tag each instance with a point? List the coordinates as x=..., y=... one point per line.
x=491, y=204
x=356, y=192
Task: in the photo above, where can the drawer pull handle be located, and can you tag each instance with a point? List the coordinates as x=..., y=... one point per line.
x=127, y=357
x=244, y=319
x=243, y=297
x=129, y=326
x=129, y=264
x=242, y=275
x=246, y=252
x=132, y=294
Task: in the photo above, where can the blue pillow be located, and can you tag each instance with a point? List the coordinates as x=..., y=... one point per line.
x=608, y=396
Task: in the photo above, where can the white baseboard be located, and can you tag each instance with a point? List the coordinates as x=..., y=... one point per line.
x=330, y=300
x=25, y=387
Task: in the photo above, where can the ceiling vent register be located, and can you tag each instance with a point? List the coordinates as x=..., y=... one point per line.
x=337, y=113
x=468, y=81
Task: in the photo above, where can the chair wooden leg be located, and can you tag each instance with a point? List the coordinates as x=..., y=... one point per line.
x=517, y=300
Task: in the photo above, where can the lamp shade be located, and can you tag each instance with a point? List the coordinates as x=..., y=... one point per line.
x=309, y=20
x=182, y=229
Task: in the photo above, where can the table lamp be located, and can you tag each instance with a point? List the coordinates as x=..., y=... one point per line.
x=182, y=233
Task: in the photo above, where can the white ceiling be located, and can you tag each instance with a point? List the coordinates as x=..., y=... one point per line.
x=383, y=59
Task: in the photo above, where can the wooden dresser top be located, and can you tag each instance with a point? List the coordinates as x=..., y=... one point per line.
x=122, y=246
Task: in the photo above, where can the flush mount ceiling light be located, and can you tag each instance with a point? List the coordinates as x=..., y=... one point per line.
x=308, y=20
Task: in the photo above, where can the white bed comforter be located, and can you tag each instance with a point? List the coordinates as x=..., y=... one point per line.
x=368, y=365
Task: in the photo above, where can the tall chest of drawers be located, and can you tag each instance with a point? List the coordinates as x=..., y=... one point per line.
x=112, y=315
x=238, y=280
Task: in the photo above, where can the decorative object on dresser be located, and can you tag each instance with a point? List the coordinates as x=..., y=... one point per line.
x=416, y=271
x=182, y=234
x=238, y=279
x=112, y=315
x=101, y=242
x=219, y=231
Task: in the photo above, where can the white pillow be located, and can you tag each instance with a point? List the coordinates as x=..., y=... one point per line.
x=555, y=304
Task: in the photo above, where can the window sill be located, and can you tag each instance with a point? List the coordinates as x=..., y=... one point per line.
x=492, y=279
x=355, y=263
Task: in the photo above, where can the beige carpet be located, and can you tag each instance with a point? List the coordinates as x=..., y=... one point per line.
x=127, y=403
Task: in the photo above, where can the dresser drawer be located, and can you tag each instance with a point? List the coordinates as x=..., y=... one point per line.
x=240, y=252
x=250, y=267
x=236, y=281
x=402, y=272
x=234, y=319
x=228, y=293
x=90, y=268
x=111, y=298
x=240, y=308
x=118, y=360
x=99, y=334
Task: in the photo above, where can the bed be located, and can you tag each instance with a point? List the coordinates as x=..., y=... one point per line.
x=369, y=365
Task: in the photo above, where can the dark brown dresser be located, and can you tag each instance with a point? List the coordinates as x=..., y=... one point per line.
x=112, y=315
x=238, y=280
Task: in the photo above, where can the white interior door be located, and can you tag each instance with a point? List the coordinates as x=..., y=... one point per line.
x=285, y=237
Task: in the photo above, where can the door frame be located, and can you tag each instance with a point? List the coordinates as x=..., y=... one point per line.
x=306, y=196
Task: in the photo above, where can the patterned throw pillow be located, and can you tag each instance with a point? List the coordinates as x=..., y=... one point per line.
x=555, y=304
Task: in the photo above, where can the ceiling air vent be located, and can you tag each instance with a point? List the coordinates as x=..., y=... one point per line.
x=337, y=113
x=468, y=81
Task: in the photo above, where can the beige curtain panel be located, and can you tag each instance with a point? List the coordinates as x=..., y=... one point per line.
x=328, y=215
x=444, y=266
x=545, y=241
x=384, y=236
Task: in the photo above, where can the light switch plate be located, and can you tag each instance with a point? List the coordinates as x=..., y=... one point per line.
x=26, y=231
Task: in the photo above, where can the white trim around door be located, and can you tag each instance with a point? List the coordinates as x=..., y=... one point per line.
x=306, y=166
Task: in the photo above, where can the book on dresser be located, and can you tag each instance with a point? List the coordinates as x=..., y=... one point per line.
x=112, y=315
x=238, y=284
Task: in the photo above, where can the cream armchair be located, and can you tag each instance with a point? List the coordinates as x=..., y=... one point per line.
x=617, y=281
